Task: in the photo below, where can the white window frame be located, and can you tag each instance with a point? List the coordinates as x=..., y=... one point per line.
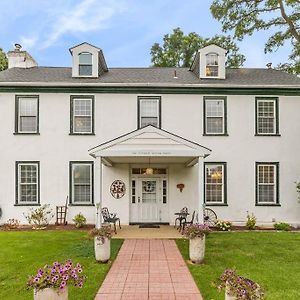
x=80, y=64
x=91, y=184
x=217, y=164
x=275, y=117
x=223, y=100
x=73, y=117
x=19, y=165
x=275, y=184
x=144, y=99
x=207, y=65
x=19, y=98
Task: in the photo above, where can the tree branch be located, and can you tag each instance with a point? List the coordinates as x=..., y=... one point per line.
x=291, y=25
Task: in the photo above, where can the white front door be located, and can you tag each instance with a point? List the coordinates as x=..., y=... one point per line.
x=148, y=199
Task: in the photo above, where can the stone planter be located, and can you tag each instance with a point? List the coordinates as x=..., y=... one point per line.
x=50, y=294
x=102, y=249
x=229, y=297
x=197, y=249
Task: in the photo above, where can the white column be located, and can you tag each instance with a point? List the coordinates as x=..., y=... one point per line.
x=98, y=190
x=200, y=189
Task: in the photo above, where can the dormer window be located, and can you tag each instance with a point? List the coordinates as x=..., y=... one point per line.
x=212, y=65
x=85, y=64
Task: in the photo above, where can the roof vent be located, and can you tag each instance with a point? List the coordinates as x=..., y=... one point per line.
x=269, y=65
x=18, y=47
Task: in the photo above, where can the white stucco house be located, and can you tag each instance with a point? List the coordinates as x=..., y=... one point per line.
x=146, y=142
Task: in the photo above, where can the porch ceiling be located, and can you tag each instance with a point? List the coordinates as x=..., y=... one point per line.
x=145, y=160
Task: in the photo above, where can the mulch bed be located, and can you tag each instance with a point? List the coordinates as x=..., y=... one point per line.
x=49, y=227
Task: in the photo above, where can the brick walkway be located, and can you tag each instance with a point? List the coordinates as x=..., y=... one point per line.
x=149, y=269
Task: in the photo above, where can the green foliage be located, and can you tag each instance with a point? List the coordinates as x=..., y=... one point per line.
x=281, y=17
x=39, y=217
x=223, y=225
x=251, y=221
x=22, y=252
x=178, y=49
x=282, y=226
x=3, y=61
x=79, y=220
x=269, y=258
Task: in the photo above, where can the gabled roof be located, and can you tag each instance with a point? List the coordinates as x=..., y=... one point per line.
x=242, y=77
x=84, y=43
x=152, y=142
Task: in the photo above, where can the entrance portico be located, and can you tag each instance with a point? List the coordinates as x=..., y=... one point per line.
x=164, y=160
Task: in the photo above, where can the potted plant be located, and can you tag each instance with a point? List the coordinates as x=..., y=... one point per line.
x=102, y=237
x=237, y=287
x=51, y=282
x=196, y=235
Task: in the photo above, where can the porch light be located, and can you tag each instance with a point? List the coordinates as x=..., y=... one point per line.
x=149, y=170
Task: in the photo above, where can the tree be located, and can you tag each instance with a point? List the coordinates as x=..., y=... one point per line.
x=178, y=49
x=281, y=17
x=3, y=60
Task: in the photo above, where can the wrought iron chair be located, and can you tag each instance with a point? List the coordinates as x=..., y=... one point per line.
x=185, y=222
x=110, y=218
x=182, y=217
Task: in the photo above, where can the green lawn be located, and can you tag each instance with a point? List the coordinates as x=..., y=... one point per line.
x=22, y=253
x=272, y=259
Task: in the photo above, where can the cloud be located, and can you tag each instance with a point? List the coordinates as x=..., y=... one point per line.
x=88, y=15
x=28, y=42
x=52, y=23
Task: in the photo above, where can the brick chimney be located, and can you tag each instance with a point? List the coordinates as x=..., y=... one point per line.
x=20, y=59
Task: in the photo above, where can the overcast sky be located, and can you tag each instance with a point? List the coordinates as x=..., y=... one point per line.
x=124, y=29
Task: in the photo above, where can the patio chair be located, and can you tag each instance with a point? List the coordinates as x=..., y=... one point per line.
x=110, y=218
x=182, y=217
x=185, y=222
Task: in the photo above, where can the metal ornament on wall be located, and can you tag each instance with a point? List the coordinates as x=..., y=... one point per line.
x=118, y=189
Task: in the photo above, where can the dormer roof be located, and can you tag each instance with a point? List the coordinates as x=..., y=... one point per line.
x=98, y=66
x=200, y=67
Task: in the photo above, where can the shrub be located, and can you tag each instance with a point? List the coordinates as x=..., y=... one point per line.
x=57, y=276
x=223, y=225
x=239, y=287
x=101, y=233
x=196, y=230
x=40, y=217
x=282, y=226
x=251, y=221
x=79, y=220
x=12, y=224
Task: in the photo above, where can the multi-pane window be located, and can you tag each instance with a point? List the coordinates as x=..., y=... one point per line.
x=212, y=65
x=214, y=110
x=27, y=183
x=214, y=183
x=266, y=116
x=81, y=189
x=27, y=114
x=82, y=115
x=267, y=183
x=85, y=64
x=149, y=111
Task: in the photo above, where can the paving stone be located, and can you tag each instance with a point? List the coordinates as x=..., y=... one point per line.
x=149, y=269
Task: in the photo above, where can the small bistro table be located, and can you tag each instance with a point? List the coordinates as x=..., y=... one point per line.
x=181, y=216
